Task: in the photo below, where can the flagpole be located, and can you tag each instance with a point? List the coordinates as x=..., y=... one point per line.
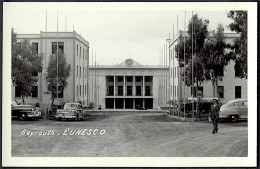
x=92, y=93
x=184, y=65
x=178, y=68
x=192, y=69
x=57, y=57
x=45, y=60
x=173, y=50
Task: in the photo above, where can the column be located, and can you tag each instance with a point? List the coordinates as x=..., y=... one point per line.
x=124, y=87
x=134, y=86
x=133, y=103
x=143, y=102
x=124, y=102
x=114, y=91
x=143, y=86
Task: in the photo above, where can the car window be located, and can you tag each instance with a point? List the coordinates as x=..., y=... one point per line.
x=14, y=103
x=237, y=104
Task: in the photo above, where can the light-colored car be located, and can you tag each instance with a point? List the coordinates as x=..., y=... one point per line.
x=72, y=111
x=234, y=110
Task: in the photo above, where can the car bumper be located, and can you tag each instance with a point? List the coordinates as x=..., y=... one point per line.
x=65, y=117
x=223, y=116
x=34, y=115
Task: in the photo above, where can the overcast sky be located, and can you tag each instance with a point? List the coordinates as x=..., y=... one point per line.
x=114, y=32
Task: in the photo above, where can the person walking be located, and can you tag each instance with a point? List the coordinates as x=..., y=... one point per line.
x=214, y=115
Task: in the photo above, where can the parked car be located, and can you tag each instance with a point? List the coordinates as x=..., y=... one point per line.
x=72, y=111
x=24, y=112
x=234, y=110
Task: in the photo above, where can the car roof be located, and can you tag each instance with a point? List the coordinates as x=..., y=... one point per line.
x=237, y=100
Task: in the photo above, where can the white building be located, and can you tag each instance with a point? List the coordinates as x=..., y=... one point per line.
x=232, y=86
x=128, y=85
x=76, y=51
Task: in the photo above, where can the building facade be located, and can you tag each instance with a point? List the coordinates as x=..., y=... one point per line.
x=76, y=52
x=128, y=85
x=231, y=87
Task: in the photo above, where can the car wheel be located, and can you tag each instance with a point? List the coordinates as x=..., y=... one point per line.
x=233, y=118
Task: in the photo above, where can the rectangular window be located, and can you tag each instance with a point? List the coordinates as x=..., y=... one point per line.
x=200, y=91
x=77, y=91
x=148, y=78
x=138, y=91
x=221, y=72
x=54, y=47
x=80, y=71
x=147, y=91
x=85, y=90
x=35, y=91
x=221, y=91
x=110, y=90
x=120, y=78
x=111, y=78
x=129, y=90
x=83, y=71
x=77, y=70
x=120, y=90
x=237, y=91
x=77, y=50
x=138, y=78
x=60, y=94
x=80, y=90
x=237, y=71
x=18, y=91
x=129, y=78
x=34, y=48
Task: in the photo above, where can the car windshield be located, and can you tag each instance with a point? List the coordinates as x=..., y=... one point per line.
x=71, y=106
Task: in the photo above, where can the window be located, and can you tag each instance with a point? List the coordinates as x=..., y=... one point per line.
x=80, y=71
x=237, y=70
x=120, y=90
x=80, y=90
x=77, y=50
x=129, y=78
x=111, y=78
x=129, y=90
x=77, y=71
x=34, y=48
x=171, y=90
x=148, y=78
x=221, y=91
x=237, y=91
x=147, y=91
x=77, y=91
x=110, y=90
x=35, y=91
x=221, y=72
x=85, y=90
x=18, y=91
x=54, y=47
x=175, y=72
x=138, y=91
x=120, y=78
x=83, y=71
x=138, y=78
x=60, y=94
x=200, y=88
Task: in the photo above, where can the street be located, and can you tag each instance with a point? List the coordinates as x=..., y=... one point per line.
x=129, y=134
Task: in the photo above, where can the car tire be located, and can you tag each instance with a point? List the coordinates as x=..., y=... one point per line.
x=233, y=118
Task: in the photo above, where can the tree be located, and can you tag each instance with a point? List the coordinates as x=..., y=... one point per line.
x=240, y=26
x=216, y=58
x=63, y=74
x=26, y=65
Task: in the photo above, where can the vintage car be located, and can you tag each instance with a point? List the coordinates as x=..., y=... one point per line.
x=72, y=111
x=234, y=110
x=24, y=112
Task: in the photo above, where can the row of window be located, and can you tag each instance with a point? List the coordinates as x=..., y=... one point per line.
x=79, y=72
x=200, y=90
x=79, y=49
x=129, y=91
x=81, y=90
x=130, y=78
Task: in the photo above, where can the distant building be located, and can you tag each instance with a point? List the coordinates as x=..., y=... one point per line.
x=231, y=87
x=128, y=85
x=76, y=51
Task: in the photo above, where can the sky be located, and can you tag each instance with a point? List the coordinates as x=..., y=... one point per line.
x=114, y=32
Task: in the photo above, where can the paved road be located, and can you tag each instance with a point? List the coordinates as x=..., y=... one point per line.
x=131, y=135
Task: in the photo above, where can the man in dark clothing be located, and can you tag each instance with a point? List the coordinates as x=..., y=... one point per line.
x=214, y=115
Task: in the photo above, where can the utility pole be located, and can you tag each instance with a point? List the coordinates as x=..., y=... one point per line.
x=192, y=68
x=184, y=66
x=57, y=55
